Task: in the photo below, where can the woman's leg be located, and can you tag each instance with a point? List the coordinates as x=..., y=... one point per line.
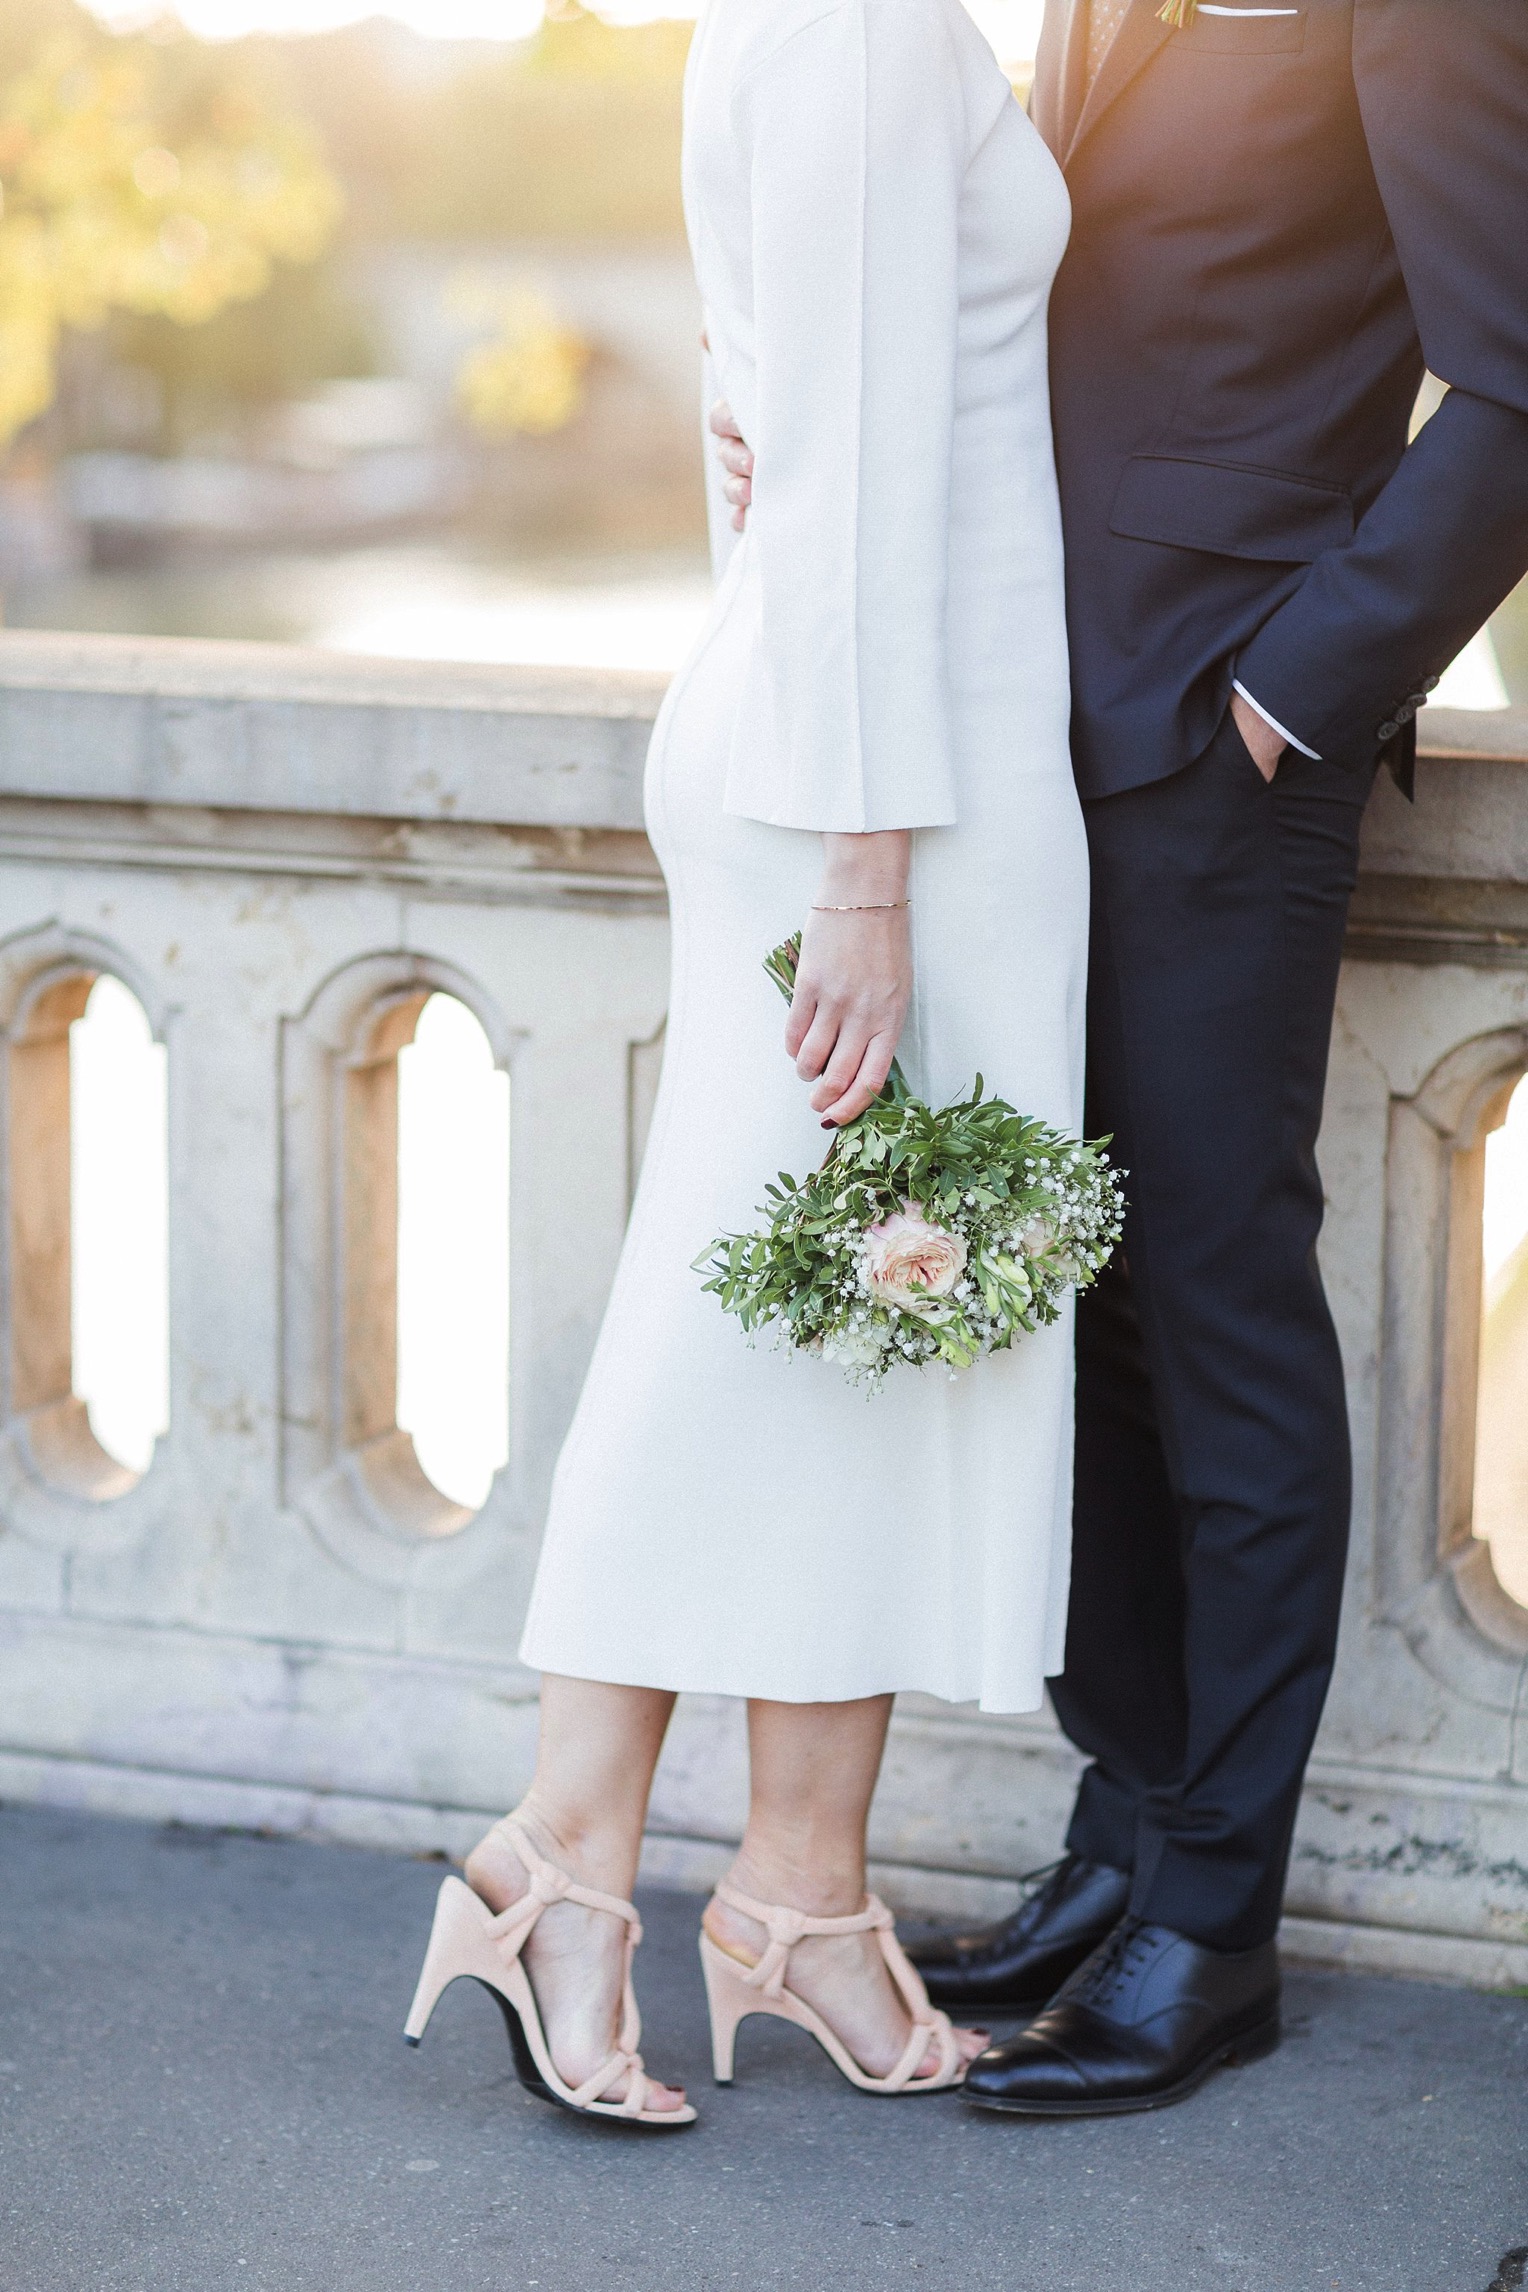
x=585, y=1811
x=814, y=1769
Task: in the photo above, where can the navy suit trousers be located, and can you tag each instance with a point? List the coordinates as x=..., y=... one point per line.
x=1213, y=1471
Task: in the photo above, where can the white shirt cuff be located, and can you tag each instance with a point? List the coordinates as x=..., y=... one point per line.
x=1282, y=730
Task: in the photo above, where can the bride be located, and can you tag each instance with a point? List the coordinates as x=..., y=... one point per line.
x=870, y=739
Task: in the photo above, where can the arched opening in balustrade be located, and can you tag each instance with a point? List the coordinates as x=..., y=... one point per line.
x=1500, y=1501
x=426, y=1249
x=87, y=1232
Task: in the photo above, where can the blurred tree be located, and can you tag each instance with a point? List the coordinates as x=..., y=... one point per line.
x=528, y=377
x=368, y=89
x=575, y=134
x=306, y=328
x=137, y=175
x=26, y=24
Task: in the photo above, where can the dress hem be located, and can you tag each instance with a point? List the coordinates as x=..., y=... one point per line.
x=690, y=1683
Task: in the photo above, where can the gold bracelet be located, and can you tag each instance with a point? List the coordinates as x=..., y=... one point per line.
x=862, y=907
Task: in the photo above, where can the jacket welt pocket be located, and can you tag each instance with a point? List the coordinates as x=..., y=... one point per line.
x=1242, y=32
x=1230, y=509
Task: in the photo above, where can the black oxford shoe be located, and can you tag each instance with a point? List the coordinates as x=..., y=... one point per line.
x=1017, y=1966
x=1141, y=2024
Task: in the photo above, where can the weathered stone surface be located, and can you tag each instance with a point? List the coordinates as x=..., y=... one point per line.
x=266, y=846
x=274, y=728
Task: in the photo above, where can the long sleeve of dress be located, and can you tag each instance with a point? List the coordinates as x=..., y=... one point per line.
x=857, y=144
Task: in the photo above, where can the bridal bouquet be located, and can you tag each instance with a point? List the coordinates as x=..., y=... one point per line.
x=924, y=1236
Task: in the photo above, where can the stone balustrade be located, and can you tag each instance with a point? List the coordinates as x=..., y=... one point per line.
x=281, y=1623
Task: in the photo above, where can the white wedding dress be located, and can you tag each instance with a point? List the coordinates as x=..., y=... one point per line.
x=875, y=227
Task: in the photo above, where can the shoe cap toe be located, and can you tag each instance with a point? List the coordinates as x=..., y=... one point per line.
x=1026, y=2067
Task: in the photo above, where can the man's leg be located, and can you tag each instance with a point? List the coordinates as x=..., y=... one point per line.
x=1122, y=1696
x=1213, y=1474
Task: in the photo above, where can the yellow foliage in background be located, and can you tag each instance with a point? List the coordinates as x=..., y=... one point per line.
x=575, y=43
x=528, y=378
x=574, y=134
x=103, y=206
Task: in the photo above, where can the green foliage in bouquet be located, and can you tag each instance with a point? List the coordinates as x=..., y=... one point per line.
x=925, y=1236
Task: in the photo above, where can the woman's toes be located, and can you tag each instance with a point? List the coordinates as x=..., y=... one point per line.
x=664, y=2097
x=968, y=2044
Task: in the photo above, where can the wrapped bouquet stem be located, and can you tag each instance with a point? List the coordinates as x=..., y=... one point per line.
x=926, y=1236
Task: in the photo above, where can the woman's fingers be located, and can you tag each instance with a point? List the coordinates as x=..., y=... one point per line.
x=723, y=424
x=843, y=1062
x=820, y=1032
x=865, y=1089
x=736, y=459
x=799, y=1018
x=847, y=1055
x=819, y=1042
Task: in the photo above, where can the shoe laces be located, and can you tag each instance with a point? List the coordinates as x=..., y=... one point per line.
x=1115, y=1964
x=1038, y=1887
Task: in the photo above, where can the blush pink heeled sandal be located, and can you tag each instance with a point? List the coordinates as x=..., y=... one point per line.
x=735, y=1990
x=468, y=1941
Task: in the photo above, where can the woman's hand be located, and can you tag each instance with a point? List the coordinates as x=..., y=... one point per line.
x=736, y=458
x=855, y=978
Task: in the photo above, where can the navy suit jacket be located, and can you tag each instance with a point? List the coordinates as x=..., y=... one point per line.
x=1279, y=221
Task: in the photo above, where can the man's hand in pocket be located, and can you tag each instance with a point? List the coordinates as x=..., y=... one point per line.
x=1263, y=744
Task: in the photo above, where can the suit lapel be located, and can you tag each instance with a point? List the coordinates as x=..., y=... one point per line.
x=1060, y=73
x=1136, y=42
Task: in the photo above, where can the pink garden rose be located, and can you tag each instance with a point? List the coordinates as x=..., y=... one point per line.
x=904, y=1250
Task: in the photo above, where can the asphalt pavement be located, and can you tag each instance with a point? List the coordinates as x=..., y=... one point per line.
x=203, y=2089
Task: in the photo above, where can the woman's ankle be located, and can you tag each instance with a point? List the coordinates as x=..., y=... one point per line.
x=587, y=1844
x=832, y=1886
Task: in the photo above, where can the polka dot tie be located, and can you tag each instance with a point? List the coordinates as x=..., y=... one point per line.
x=1104, y=20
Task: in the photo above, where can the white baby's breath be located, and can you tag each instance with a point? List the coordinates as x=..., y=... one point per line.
x=924, y=1237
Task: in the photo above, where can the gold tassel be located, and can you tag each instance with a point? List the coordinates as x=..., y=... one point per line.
x=1179, y=13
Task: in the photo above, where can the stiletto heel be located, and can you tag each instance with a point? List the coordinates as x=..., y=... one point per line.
x=735, y=1990
x=440, y=1967
x=468, y=1942
x=728, y=1999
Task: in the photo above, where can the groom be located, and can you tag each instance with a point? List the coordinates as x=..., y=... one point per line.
x=1281, y=214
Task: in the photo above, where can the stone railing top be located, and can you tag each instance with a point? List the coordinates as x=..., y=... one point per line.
x=1470, y=819
x=1494, y=734
x=276, y=728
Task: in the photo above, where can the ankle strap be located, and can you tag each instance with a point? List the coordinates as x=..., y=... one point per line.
x=786, y=1927
x=549, y=1884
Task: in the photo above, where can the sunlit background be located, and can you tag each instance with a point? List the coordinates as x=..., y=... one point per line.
x=119, y=1261
x=373, y=329
x=453, y=1251
x=1011, y=25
